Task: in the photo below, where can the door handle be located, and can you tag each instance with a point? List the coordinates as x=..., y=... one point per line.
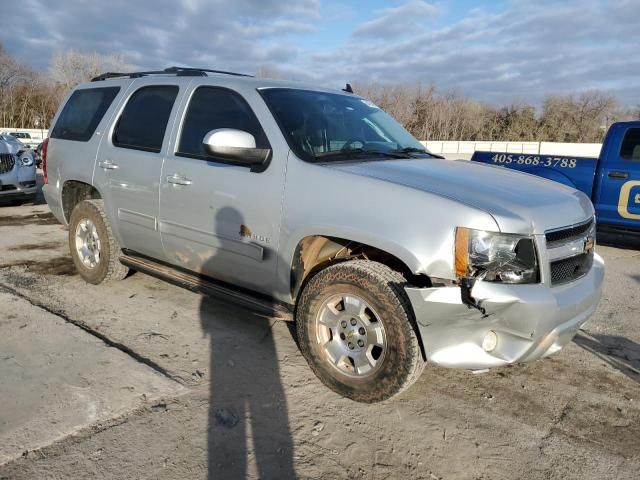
x=178, y=179
x=621, y=175
x=108, y=165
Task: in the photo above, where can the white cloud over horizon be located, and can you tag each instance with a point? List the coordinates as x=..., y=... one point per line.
x=518, y=49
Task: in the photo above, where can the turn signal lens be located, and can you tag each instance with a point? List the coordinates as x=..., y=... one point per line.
x=462, y=251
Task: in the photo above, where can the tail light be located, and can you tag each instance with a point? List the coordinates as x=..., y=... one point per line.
x=43, y=153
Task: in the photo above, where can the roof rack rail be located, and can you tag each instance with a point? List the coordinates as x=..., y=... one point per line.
x=179, y=71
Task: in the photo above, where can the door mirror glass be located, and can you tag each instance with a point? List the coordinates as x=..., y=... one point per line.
x=235, y=145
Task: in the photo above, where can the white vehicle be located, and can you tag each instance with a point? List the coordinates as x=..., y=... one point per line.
x=25, y=138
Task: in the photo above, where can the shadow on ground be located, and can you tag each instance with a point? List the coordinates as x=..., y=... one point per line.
x=627, y=241
x=248, y=415
x=619, y=352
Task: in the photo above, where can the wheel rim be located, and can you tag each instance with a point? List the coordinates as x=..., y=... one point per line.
x=351, y=335
x=88, y=243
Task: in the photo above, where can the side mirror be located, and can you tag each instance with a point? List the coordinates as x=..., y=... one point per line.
x=237, y=146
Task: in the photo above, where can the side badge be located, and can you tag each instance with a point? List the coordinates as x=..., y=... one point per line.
x=245, y=232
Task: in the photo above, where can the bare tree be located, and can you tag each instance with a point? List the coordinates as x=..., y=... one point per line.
x=71, y=67
x=30, y=99
x=578, y=118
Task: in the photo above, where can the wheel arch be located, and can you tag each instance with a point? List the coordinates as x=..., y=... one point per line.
x=315, y=252
x=75, y=191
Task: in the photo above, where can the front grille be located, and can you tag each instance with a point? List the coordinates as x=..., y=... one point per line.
x=572, y=268
x=568, y=234
x=7, y=162
x=6, y=188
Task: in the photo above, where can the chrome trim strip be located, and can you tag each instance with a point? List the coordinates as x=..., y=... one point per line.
x=566, y=250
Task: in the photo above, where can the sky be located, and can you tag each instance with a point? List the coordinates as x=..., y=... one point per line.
x=496, y=51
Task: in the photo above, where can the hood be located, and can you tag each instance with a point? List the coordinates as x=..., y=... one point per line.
x=519, y=202
x=6, y=147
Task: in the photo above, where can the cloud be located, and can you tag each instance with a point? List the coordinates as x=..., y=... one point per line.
x=150, y=33
x=396, y=21
x=519, y=50
x=522, y=51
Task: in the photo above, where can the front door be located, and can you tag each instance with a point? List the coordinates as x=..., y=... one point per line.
x=618, y=201
x=129, y=165
x=216, y=218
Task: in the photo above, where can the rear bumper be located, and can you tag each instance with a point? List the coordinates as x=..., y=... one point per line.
x=52, y=197
x=530, y=321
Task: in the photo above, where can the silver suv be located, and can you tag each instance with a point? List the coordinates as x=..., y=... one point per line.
x=283, y=196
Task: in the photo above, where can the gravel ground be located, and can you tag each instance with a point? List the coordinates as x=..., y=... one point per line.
x=230, y=396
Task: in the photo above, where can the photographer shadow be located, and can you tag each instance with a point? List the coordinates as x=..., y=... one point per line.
x=248, y=425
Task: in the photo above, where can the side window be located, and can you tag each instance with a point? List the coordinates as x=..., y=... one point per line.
x=630, y=149
x=143, y=122
x=82, y=113
x=211, y=108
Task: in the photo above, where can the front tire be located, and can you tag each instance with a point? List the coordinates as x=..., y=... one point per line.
x=94, y=249
x=357, y=331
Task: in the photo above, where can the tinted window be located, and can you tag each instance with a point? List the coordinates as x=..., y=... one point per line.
x=143, y=122
x=82, y=113
x=212, y=108
x=630, y=149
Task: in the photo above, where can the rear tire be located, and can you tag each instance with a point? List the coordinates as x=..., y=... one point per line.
x=94, y=249
x=377, y=354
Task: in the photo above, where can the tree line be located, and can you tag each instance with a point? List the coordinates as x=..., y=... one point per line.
x=431, y=115
x=30, y=98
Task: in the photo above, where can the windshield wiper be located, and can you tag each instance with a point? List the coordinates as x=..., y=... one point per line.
x=359, y=152
x=417, y=150
x=411, y=150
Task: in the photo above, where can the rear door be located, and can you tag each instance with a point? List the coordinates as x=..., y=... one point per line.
x=217, y=218
x=129, y=165
x=618, y=193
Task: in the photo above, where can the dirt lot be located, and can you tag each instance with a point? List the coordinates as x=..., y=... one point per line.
x=142, y=379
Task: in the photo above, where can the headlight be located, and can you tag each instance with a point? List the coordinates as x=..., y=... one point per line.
x=495, y=257
x=27, y=160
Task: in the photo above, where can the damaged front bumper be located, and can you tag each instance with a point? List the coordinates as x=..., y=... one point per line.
x=529, y=321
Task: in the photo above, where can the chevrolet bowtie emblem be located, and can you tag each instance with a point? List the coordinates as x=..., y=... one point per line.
x=589, y=244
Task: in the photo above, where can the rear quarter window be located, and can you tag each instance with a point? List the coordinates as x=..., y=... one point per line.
x=83, y=112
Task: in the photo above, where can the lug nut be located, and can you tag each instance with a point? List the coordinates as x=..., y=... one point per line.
x=360, y=343
x=353, y=321
x=344, y=324
x=362, y=331
x=343, y=336
x=351, y=346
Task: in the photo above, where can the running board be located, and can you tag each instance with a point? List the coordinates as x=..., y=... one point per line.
x=206, y=286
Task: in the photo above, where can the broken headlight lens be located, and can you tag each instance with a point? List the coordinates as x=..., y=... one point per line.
x=495, y=257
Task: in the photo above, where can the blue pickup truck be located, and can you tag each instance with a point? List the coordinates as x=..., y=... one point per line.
x=612, y=181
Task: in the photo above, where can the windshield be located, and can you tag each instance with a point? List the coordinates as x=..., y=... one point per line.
x=323, y=127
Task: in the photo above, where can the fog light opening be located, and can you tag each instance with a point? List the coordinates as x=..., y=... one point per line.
x=490, y=341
